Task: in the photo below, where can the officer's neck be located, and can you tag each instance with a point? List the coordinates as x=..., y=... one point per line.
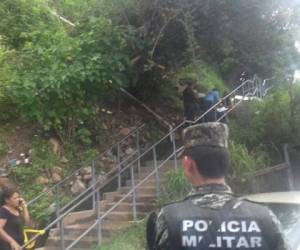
x=201, y=181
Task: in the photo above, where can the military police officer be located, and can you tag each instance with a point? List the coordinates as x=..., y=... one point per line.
x=210, y=217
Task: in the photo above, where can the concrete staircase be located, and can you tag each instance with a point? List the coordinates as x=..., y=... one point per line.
x=117, y=220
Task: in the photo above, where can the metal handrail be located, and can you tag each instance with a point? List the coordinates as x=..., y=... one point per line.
x=50, y=189
x=94, y=189
x=268, y=170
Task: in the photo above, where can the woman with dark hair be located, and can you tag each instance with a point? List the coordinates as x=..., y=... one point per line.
x=13, y=214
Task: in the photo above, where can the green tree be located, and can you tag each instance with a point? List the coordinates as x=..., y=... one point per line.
x=62, y=77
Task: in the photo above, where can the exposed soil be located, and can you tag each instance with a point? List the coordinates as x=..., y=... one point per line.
x=18, y=139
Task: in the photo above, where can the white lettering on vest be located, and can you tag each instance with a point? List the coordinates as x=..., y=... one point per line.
x=223, y=227
x=244, y=226
x=233, y=226
x=228, y=240
x=201, y=226
x=242, y=242
x=255, y=242
x=219, y=241
x=190, y=240
x=253, y=227
x=187, y=224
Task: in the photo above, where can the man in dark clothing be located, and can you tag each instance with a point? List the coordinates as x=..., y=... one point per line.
x=190, y=102
x=210, y=217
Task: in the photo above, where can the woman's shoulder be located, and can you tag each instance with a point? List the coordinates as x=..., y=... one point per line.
x=3, y=212
x=2, y=208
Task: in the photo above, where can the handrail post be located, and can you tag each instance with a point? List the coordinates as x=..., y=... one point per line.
x=93, y=182
x=261, y=90
x=243, y=90
x=133, y=192
x=98, y=209
x=119, y=165
x=60, y=225
x=62, y=234
x=57, y=203
x=174, y=150
x=248, y=87
x=157, y=186
x=138, y=150
x=257, y=88
x=252, y=88
x=288, y=162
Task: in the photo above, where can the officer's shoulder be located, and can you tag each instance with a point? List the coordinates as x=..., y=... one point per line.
x=174, y=203
x=253, y=205
x=167, y=206
x=156, y=213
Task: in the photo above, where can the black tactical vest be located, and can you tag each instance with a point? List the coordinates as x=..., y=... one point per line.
x=236, y=225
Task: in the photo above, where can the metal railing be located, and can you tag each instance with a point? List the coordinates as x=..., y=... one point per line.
x=270, y=179
x=248, y=88
x=112, y=154
x=288, y=163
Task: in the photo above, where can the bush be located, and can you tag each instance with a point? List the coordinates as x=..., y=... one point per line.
x=243, y=164
x=242, y=124
x=174, y=187
x=269, y=124
x=274, y=121
x=132, y=239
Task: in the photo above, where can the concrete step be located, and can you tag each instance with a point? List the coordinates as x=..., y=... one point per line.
x=143, y=190
x=123, y=216
x=89, y=242
x=139, y=199
x=108, y=228
x=142, y=195
x=127, y=206
x=89, y=215
x=80, y=217
x=151, y=181
x=110, y=196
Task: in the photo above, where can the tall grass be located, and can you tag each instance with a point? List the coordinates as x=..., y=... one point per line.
x=131, y=239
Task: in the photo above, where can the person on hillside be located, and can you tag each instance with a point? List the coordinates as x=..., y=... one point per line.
x=211, y=217
x=13, y=214
x=190, y=102
x=208, y=101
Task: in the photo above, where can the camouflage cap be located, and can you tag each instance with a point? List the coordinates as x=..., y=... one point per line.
x=209, y=134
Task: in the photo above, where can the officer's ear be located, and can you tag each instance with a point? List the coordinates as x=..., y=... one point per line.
x=188, y=162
